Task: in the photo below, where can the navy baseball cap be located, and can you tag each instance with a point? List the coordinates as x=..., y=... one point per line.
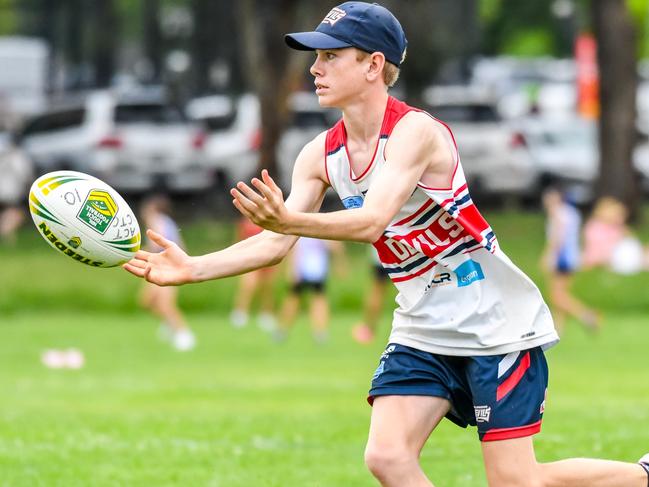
x=366, y=26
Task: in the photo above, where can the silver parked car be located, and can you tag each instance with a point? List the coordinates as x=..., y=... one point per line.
x=134, y=142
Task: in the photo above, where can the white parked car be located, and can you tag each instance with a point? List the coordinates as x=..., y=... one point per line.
x=307, y=120
x=16, y=172
x=234, y=132
x=486, y=143
x=133, y=142
x=565, y=150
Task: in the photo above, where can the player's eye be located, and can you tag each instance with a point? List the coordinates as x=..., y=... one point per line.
x=330, y=56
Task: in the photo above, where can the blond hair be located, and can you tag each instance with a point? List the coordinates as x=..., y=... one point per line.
x=610, y=210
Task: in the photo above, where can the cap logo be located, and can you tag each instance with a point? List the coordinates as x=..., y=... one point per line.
x=333, y=16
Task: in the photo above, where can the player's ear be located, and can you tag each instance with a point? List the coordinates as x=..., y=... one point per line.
x=375, y=65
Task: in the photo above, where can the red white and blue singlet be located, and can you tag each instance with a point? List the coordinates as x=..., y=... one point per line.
x=459, y=294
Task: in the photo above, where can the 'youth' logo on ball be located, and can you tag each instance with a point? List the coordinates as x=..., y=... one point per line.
x=98, y=211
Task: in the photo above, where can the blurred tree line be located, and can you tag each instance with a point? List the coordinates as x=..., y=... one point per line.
x=207, y=46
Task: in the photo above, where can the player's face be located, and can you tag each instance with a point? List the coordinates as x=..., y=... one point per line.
x=339, y=76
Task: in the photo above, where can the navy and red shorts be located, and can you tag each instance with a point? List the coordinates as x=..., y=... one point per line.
x=503, y=395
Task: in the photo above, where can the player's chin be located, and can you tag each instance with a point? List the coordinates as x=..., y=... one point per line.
x=327, y=100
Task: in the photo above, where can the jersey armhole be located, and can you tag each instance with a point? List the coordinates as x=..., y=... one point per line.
x=456, y=156
x=326, y=153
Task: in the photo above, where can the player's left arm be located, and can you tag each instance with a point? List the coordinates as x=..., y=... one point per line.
x=416, y=147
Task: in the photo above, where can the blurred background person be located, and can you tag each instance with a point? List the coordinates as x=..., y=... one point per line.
x=560, y=260
x=257, y=284
x=365, y=331
x=604, y=230
x=163, y=301
x=309, y=267
x=610, y=242
x=16, y=175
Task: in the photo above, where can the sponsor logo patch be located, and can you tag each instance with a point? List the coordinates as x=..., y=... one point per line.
x=98, y=211
x=334, y=15
x=482, y=413
x=353, y=202
x=440, y=279
x=468, y=273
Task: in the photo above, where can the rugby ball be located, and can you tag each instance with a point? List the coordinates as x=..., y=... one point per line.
x=84, y=219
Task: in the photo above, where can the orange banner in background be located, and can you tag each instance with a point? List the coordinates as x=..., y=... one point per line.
x=587, y=76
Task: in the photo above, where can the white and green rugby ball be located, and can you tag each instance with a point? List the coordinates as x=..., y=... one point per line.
x=84, y=218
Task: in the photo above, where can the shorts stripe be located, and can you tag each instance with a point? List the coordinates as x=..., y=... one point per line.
x=507, y=363
x=511, y=433
x=514, y=379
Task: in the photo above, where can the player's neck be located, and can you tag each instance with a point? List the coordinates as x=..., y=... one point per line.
x=363, y=118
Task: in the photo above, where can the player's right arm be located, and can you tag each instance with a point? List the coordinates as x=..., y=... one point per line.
x=172, y=266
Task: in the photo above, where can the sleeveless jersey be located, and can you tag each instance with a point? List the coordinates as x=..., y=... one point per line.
x=459, y=294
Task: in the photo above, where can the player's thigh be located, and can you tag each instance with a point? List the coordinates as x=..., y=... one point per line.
x=405, y=421
x=510, y=463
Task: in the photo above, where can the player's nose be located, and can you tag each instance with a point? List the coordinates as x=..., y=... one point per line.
x=316, y=68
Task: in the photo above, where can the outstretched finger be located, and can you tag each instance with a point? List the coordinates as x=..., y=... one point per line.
x=263, y=188
x=136, y=270
x=137, y=263
x=159, y=239
x=142, y=255
x=269, y=181
x=243, y=201
x=249, y=193
x=241, y=209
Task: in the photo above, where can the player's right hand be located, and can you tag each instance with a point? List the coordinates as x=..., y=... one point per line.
x=170, y=267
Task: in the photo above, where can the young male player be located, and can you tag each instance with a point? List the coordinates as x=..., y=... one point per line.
x=469, y=329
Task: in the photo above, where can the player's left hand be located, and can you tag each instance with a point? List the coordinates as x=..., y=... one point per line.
x=264, y=208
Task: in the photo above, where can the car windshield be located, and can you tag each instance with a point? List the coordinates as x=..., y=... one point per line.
x=59, y=120
x=221, y=122
x=147, y=113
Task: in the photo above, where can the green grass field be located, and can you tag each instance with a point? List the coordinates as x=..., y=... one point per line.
x=242, y=410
